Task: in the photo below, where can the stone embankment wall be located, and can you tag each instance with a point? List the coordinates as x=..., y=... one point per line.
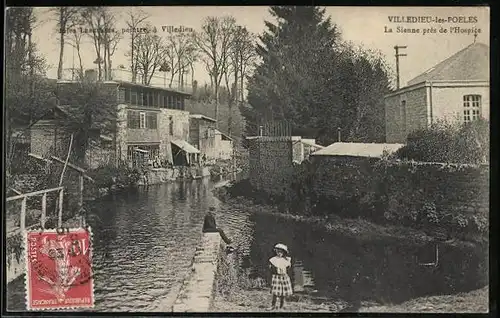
x=197, y=291
x=163, y=175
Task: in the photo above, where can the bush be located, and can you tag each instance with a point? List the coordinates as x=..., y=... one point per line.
x=109, y=176
x=449, y=143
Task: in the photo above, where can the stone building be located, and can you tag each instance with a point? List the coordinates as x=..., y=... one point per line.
x=223, y=145
x=151, y=123
x=202, y=135
x=456, y=90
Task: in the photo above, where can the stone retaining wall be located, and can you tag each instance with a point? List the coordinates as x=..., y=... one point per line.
x=197, y=291
x=163, y=175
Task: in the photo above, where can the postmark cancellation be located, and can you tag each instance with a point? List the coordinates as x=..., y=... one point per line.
x=59, y=269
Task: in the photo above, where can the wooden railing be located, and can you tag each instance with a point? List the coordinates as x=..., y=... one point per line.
x=24, y=197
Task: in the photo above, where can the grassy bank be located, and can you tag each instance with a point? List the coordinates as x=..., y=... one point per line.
x=247, y=300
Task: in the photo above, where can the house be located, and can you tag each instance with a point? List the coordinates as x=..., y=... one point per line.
x=49, y=135
x=202, y=135
x=152, y=123
x=456, y=90
x=223, y=145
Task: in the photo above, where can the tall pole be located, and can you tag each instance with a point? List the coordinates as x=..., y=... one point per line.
x=397, y=47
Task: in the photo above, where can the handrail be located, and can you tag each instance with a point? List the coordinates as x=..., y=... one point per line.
x=25, y=195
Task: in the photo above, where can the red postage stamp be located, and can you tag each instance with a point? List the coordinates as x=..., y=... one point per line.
x=59, y=269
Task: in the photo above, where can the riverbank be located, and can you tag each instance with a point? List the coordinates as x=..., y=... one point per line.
x=358, y=228
x=246, y=300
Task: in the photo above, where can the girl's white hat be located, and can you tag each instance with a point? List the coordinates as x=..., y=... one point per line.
x=281, y=247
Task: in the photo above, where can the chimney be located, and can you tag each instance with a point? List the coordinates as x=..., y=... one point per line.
x=91, y=75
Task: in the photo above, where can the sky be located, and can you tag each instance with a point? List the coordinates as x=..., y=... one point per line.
x=366, y=26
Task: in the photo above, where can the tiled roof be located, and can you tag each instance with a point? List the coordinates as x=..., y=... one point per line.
x=353, y=149
x=471, y=63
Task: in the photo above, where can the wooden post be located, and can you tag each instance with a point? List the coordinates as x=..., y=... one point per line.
x=59, y=216
x=80, y=202
x=44, y=210
x=22, y=221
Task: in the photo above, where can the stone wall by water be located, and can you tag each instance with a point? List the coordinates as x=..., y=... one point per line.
x=162, y=175
x=197, y=291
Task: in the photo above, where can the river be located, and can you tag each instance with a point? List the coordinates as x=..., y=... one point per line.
x=144, y=241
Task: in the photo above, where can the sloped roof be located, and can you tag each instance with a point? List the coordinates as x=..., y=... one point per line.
x=200, y=116
x=471, y=63
x=352, y=149
x=218, y=132
x=184, y=145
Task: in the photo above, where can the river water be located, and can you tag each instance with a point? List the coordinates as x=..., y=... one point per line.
x=144, y=241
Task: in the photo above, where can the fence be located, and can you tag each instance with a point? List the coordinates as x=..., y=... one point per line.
x=43, y=217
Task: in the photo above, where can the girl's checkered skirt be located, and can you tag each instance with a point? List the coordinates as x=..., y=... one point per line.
x=281, y=285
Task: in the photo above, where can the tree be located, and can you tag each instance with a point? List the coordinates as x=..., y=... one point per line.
x=181, y=53
x=66, y=19
x=93, y=18
x=136, y=17
x=214, y=42
x=310, y=78
x=91, y=110
x=151, y=53
x=110, y=40
x=75, y=40
x=27, y=94
x=293, y=81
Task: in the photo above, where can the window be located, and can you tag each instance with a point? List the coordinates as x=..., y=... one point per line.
x=150, y=102
x=132, y=119
x=179, y=103
x=160, y=100
x=144, y=99
x=121, y=95
x=170, y=102
x=127, y=95
x=134, y=98
x=403, y=115
x=151, y=122
x=165, y=101
x=142, y=120
x=171, y=126
x=472, y=107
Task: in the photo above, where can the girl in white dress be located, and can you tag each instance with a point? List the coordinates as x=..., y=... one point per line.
x=281, y=284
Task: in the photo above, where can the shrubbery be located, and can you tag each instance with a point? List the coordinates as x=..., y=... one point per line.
x=452, y=143
x=109, y=176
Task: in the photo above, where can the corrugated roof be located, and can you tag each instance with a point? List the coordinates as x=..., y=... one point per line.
x=471, y=63
x=353, y=149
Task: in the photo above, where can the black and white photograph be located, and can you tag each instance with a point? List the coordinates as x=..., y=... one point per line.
x=253, y=159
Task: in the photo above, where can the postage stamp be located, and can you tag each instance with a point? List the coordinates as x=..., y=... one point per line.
x=59, y=269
